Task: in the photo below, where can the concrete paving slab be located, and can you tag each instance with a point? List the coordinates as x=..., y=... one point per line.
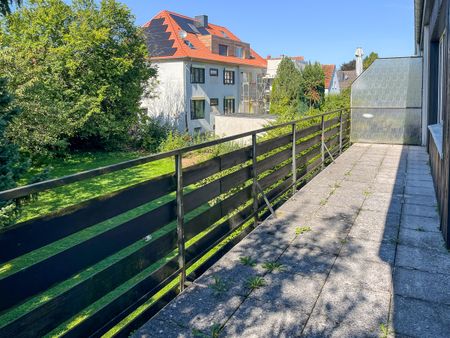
x=420, y=223
x=420, y=210
x=369, y=275
x=431, y=287
x=431, y=260
x=348, y=312
x=422, y=239
x=361, y=249
x=417, y=318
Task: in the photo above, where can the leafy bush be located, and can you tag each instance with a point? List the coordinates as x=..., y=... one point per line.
x=175, y=140
x=149, y=133
x=78, y=71
x=12, y=164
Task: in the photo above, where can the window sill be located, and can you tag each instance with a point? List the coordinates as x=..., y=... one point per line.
x=436, y=134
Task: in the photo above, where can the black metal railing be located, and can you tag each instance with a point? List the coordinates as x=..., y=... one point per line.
x=177, y=218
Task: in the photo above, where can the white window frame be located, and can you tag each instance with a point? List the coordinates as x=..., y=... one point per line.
x=441, y=79
x=239, y=52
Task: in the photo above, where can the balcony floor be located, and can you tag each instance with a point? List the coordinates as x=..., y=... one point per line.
x=361, y=255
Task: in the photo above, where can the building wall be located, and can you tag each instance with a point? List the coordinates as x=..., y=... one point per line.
x=229, y=125
x=168, y=99
x=174, y=92
x=434, y=23
x=212, y=88
x=334, y=84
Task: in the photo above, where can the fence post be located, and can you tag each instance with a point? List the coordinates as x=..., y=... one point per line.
x=340, y=132
x=322, y=147
x=255, y=180
x=180, y=219
x=294, y=162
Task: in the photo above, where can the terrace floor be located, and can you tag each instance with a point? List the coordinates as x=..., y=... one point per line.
x=357, y=253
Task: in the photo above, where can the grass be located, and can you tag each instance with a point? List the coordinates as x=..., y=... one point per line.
x=248, y=261
x=302, y=230
x=273, y=266
x=62, y=197
x=255, y=282
x=384, y=331
x=219, y=286
x=214, y=332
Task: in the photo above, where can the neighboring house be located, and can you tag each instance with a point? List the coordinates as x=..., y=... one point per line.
x=273, y=63
x=203, y=70
x=346, y=78
x=331, y=79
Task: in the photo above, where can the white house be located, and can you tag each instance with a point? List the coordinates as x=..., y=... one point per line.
x=331, y=79
x=273, y=63
x=204, y=70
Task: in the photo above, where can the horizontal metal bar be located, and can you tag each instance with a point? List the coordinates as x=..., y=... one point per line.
x=386, y=108
x=58, y=182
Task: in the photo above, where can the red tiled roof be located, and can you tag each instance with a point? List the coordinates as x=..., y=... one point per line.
x=177, y=48
x=328, y=71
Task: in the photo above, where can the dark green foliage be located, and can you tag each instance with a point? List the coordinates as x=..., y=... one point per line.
x=350, y=65
x=368, y=60
x=5, y=5
x=286, y=89
x=12, y=164
x=149, y=133
x=78, y=72
x=338, y=101
x=313, y=85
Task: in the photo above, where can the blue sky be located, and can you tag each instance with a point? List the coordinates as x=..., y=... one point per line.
x=327, y=31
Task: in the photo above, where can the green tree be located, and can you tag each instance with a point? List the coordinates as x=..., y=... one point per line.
x=78, y=72
x=350, y=65
x=313, y=85
x=12, y=164
x=369, y=59
x=286, y=92
x=5, y=5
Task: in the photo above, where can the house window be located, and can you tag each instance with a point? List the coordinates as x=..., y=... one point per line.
x=239, y=52
x=213, y=102
x=223, y=50
x=197, y=75
x=441, y=79
x=197, y=109
x=213, y=72
x=228, y=106
x=228, y=77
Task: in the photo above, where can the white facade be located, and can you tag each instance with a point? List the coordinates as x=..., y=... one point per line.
x=272, y=66
x=334, y=85
x=174, y=93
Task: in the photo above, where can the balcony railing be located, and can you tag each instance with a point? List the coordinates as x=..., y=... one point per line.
x=151, y=238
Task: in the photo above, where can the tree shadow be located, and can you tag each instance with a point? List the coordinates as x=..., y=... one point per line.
x=322, y=268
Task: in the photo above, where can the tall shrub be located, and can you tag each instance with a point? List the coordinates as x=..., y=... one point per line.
x=286, y=89
x=78, y=72
x=313, y=85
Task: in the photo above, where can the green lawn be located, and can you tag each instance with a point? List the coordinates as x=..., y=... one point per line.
x=72, y=194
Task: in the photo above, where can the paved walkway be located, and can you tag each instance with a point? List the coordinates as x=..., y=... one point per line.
x=356, y=253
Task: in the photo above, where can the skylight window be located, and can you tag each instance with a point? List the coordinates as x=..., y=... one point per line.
x=189, y=44
x=224, y=34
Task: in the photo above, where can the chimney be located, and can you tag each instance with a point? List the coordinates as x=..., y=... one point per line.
x=201, y=21
x=359, y=60
x=269, y=57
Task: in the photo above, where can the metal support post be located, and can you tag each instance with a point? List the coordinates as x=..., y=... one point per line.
x=255, y=180
x=294, y=161
x=180, y=220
